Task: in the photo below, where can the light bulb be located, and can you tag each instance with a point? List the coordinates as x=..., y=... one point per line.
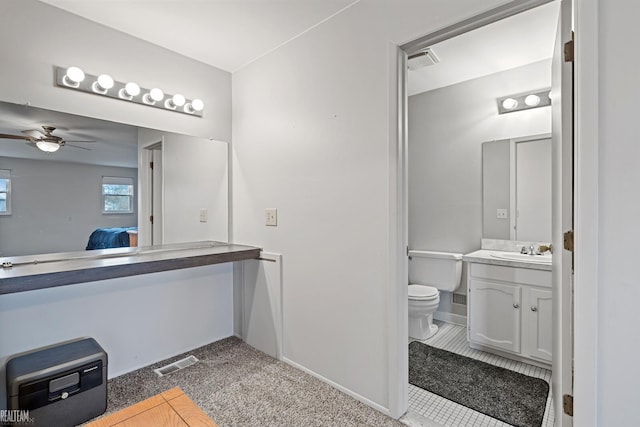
x=175, y=101
x=532, y=100
x=102, y=84
x=153, y=96
x=105, y=81
x=47, y=147
x=197, y=104
x=194, y=106
x=132, y=89
x=75, y=74
x=73, y=77
x=509, y=104
x=156, y=94
x=178, y=100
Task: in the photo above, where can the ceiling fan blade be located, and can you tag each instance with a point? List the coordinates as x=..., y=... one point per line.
x=5, y=136
x=77, y=146
x=68, y=140
x=33, y=133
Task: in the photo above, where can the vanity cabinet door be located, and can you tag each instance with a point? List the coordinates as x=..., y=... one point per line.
x=494, y=314
x=540, y=324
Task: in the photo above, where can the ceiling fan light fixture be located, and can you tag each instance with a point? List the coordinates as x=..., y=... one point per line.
x=73, y=77
x=47, y=146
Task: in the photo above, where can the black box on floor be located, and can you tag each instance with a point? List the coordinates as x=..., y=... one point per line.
x=60, y=385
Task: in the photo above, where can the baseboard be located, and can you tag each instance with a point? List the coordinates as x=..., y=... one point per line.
x=356, y=396
x=456, y=319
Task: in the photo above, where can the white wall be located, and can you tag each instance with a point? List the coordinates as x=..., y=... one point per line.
x=125, y=321
x=64, y=39
x=447, y=127
x=195, y=176
x=618, y=228
x=56, y=206
x=311, y=137
x=137, y=320
x=496, y=188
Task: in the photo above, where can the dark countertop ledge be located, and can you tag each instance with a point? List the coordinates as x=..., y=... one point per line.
x=34, y=272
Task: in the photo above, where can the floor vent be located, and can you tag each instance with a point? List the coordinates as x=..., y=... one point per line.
x=460, y=299
x=176, y=366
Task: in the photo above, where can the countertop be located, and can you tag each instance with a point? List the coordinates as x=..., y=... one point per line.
x=484, y=256
x=50, y=270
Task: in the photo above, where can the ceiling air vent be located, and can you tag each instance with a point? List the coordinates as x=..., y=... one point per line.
x=422, y=59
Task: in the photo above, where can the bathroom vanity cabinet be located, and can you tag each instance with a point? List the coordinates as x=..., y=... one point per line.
x=509, y=311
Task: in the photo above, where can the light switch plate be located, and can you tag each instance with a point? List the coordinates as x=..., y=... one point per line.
x=271, y=217
x=203, y=215
x=502, y=214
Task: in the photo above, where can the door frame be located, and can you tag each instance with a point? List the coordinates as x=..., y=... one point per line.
x=585, y=131
x=585, y=16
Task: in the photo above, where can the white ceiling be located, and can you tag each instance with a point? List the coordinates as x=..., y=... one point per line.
x=227, y=34
x=116, y=144
x=513, y=42
x=230, y=34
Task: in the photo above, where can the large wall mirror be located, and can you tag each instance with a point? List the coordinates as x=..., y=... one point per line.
x=109, y=182
x=516, y=189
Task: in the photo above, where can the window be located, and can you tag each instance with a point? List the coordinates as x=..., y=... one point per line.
x=5, y=192
x=117, y=195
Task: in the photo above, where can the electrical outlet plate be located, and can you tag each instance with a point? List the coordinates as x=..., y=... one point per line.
x=271, y=217
x=502, y=214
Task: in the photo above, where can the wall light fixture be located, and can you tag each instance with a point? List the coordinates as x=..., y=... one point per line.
x=524, y=101
x=104, y=85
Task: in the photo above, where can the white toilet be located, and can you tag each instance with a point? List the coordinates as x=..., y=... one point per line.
x=430, y=273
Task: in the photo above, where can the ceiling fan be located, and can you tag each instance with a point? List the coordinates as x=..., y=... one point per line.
x=46, y=141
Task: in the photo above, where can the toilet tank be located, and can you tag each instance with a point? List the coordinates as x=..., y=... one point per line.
x=442, y=270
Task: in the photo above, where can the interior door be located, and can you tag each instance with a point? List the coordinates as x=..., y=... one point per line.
x=562, y=218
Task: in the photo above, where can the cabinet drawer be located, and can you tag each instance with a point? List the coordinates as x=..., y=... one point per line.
x=524, y=276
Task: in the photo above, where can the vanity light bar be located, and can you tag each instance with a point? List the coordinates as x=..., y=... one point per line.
x=76, y=79
x=524, y=101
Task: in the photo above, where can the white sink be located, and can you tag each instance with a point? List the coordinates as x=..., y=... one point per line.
x=514, y=256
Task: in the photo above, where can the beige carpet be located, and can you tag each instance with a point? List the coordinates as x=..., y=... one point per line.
x=237, y=385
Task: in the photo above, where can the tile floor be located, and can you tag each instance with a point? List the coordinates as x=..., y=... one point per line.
x=454, y=338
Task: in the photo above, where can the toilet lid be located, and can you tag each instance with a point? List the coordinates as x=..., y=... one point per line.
x=422, y=292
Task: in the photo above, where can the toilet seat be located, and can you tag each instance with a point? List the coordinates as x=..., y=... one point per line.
x=420, y=292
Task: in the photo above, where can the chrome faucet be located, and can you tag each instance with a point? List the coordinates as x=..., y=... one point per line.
x=531, y=250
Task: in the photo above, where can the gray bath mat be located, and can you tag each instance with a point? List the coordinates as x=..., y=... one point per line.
x=509, y=396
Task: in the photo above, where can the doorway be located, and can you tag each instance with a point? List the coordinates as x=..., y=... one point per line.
x=152, y=219
x=434, y=203
x=156, y=191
